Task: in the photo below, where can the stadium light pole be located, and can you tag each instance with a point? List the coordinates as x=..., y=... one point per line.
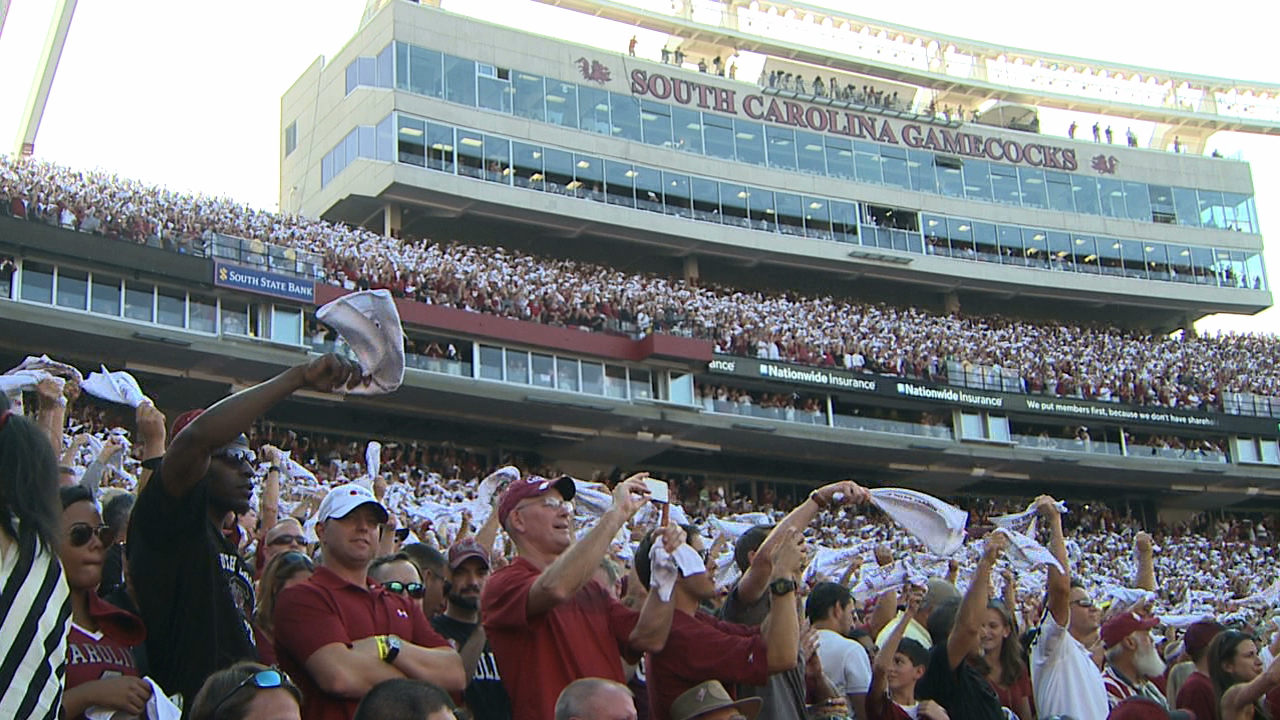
x=42, y=82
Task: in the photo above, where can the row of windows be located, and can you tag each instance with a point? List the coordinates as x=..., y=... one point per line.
x=427, y=72
x=497, y=159
x=141, y=301
x=364, y=141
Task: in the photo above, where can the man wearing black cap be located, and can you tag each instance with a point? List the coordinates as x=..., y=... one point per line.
x=1197, y=693
x=193, y=589
x=485, y=695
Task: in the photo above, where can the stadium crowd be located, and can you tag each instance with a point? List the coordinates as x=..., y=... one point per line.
x=246, y=570
x=1088, y=361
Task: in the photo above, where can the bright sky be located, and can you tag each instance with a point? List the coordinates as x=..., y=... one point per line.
x=187, y=94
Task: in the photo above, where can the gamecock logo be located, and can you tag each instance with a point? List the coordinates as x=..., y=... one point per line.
x=594, y=71
x=1105, y=165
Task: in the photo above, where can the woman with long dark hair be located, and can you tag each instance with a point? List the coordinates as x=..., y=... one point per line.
x=1003, y=660
x=1238, y=679
x=35, y=622
x=282, y=571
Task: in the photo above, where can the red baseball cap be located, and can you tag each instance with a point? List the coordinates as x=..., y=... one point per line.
x=1123, y=625
x=1199, y=635
x=531, y=487
x=464, y=550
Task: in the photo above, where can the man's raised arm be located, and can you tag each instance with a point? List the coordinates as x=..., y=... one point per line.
x=1059, y=582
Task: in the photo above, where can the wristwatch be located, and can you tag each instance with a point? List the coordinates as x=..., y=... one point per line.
x=393, y=648
x=782, y=586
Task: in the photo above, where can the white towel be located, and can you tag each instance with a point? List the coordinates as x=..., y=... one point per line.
x=1025, y=553
x=663, y=571
x=373, y=459
x=1184, y=621
x=370, y=325
x=1022, y=522
x=51, y=366
x=939, y=525
x=1128, y=596
x=117, y=387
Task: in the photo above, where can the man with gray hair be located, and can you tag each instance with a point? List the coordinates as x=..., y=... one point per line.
x=595, y=699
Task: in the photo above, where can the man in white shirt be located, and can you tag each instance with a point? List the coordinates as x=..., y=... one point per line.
x=844, y=661
x=1065, y=678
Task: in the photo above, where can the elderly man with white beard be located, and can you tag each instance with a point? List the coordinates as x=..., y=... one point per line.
x=1132, y=659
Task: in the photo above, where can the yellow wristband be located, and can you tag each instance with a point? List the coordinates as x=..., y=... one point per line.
x=383, y=648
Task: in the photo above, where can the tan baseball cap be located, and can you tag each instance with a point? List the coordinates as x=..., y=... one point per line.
x=710, y=696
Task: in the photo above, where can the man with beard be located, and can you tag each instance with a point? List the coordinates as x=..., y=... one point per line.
x=485, y=695
x=192, y=587
x=1132, y=659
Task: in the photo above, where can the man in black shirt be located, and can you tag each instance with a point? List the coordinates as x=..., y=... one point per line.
x=193, y=589
x=485, y=696
x=949, y=679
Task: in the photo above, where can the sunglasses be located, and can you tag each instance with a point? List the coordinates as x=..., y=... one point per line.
x=80, y=533
x=402, y=534
x=262, y=680
x=289, y=540
x=414, y=590
x=237, y=455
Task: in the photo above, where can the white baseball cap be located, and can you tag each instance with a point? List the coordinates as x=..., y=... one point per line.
x=343, y=499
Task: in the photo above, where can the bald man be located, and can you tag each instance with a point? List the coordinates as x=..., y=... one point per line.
x=595, y=699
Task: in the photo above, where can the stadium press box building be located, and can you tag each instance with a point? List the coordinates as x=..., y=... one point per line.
x=912, y=170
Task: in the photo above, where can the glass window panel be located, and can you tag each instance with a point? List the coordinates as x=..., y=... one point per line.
x=1110, y=256
x=441, y=152
x=761, y=209
x=1187, y=207
x=687, y=125
x=718, y=137
x=402, y=65
x=517, y=365
x=1238, y=212
x=37, y=282
x=497, y=159
x=139, y=301
x=385, y=68
x=286, y=325
x=920, y=168
x=844, y=221
x=426, y=72
x=782, y=147
x=490, y=362
x=384, y=132
x=1035, y=245
x=675, y=194
x=1180, y=260
x=529, y=96
x=749, y=140
x=470, y=153
x=73, y=288
x=620, y=185
x=592, y=378
x=1157, y=261
x=648, y=189
x=1058, y=187
x=950, y=180
x=1255, y=272
x=1236, y=274
x=866, y=161
x=105, y=295
x=235, y=318
x=368, y=71
x=558, y=166
x=494, y=94
x=960, y=232
x=411, y=141
x=1004, y=184
x=626, y=116
x=817, y=218
x=1034, y=192
x=706, y=199
x=790, y=213
x=894, y=167
x=203, y=314
x=352, y=148
x=562, y=103
x=1202, y=266
x=526, y=164
x=1137, y=201
x=171, y=308
x=567, y=374
x=543, y=370
x=353, y=76
x=1060, y=249
x=1211, y=209
x=641, y=387
x=1085, y=190
x=459, y=80
x=615, y=381
x=589, y=173
x=977, y=180
x=733, y=204
x=987, y=245
x=655, y=123
x=840, y=158
x=367, y=142
x=1111, y=192
x=1162, y=208
x=810, y=153
x=593, y=110
x=935, y=236
x=1133, y=259
x=1084, y=249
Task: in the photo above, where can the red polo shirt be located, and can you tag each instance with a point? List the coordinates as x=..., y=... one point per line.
x=588, y=636
x=702, y=648
x=327, y=609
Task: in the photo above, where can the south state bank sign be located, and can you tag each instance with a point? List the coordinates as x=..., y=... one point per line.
x=831, y=121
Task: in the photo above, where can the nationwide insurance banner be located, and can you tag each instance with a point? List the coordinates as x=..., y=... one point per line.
x=263, y=282
x=1065, y=408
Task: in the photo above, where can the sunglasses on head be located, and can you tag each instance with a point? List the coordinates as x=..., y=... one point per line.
x=413, y=590
x=262, y=680
x=288, y=540
x=80, y=533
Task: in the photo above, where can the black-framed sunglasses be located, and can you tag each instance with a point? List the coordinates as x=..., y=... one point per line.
x=289, y=540
x=80, y=533
x=414, y=590
x=262, y=680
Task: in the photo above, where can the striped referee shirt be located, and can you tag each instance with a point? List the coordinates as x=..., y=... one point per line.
x=37, y=608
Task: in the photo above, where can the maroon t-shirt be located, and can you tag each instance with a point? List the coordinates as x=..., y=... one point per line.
x=1197, y=696
x=702, y=648
x=327, y=609
x=107, y=653
x=882, y=707
x=588, y=636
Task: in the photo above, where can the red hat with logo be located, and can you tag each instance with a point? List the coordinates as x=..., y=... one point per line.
x=531, y=487
x=464, y=550
x=1115, y=630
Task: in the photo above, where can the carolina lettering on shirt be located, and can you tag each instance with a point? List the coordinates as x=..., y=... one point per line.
x=90, y=654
